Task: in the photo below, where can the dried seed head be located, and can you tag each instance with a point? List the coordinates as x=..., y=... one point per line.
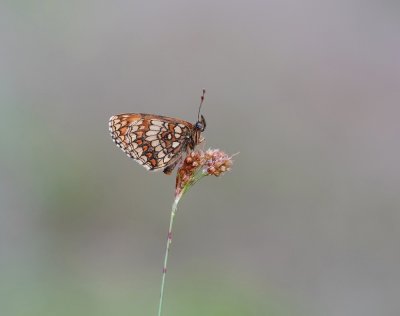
x=218, y=162
x=198, y=164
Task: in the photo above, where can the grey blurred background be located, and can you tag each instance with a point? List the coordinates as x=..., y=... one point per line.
x=307, y=222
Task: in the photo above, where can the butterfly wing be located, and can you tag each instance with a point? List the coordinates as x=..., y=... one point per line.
x=153, y=141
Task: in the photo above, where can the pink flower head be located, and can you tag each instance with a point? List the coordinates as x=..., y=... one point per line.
x=198, y=164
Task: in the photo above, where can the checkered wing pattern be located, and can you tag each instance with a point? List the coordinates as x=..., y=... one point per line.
x=154, y=141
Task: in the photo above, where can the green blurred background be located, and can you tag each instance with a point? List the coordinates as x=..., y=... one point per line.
x=307, y=222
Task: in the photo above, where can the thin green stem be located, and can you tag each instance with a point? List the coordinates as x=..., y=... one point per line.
x=169, y=241
x=178, y=197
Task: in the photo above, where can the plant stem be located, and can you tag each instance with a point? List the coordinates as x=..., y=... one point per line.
x=169, y=241
x=178, y=197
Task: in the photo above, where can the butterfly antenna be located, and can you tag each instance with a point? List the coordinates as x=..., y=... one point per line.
x=201, y=103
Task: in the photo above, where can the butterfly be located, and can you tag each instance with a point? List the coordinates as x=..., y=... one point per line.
x=154, y=141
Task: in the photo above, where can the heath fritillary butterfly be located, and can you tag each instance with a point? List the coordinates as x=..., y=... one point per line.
x=154, y=141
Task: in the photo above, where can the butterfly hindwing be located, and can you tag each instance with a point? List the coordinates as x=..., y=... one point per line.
x=154, y=141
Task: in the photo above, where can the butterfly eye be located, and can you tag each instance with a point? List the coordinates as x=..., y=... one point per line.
x=199, y=126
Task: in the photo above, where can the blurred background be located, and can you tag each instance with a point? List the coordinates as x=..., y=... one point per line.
x=307, y=222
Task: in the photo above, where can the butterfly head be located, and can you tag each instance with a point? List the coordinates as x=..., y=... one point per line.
x=201, y=124
x=199, y=127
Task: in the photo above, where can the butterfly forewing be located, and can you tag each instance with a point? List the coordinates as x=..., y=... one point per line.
x=154, y=141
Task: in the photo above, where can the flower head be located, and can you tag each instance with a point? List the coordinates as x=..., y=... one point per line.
x=199, y=164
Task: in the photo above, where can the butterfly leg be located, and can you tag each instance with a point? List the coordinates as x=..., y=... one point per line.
x=168, y=170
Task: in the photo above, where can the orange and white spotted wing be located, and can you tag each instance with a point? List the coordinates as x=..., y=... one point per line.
x=154, y=141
